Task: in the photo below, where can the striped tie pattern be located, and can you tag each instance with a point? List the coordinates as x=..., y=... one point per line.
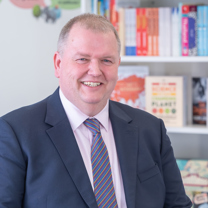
x=102, y=177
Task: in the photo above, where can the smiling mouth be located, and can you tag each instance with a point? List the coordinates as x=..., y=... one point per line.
x=92, y=84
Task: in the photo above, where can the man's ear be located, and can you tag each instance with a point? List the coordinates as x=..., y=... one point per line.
x=57, y=64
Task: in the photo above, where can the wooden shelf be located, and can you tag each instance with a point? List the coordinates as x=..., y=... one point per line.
x=190, y=129
x=182, y=59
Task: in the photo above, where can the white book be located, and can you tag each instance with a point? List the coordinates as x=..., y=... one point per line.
x=161, y=31
x=127, y=31
x=121, y=30
x=166, y=99
x=133, y=30
x=175, y=31
x=167, y=27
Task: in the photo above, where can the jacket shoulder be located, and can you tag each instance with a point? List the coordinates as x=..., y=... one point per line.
x=27, y=113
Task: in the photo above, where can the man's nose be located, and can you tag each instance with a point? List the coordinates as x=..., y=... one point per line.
x=94, y=68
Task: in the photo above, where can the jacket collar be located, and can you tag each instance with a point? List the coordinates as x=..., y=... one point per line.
x=63, y=139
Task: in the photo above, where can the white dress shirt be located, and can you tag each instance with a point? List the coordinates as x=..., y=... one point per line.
x=83, y=137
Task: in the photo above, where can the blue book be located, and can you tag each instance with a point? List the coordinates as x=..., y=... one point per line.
x=102, y=7
x=92, y=6
x=205, y=31
x=107, y=9
x=200, y=11
x=192, y=30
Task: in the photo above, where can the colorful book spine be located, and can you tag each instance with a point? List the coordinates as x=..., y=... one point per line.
x=150, y=30
x=185, y=41
x=107, y=9
x=113, y=14
x=155, y=31
x=199, y=97
x=127, y=33
x=200, y=38
x=144, y=32
x=175, y=31
x=92, y=6
x=99, y=7
x=205, y=31
x=192, y=30
x=130, y=31
x=138, y=31
x=102, y=7
x=133, y=30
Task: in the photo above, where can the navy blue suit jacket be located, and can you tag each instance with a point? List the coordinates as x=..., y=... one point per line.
x=41, y=165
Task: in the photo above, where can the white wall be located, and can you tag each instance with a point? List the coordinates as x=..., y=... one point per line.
x=27, y=46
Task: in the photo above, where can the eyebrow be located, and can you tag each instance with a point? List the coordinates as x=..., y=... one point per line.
x=87, y=55
x=82, y=54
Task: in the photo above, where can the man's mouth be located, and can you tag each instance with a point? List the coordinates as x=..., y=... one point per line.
x=92, y=84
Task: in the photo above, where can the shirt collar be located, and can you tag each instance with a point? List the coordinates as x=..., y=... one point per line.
x=77, y=117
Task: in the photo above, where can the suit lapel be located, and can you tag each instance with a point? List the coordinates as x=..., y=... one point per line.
x=127, y=149
x=63, y=139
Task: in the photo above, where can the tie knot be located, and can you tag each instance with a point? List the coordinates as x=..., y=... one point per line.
x=93, y=125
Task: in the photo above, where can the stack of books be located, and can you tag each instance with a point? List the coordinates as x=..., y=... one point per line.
x=163, y=31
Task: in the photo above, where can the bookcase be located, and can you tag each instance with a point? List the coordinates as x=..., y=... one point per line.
x=190, y=141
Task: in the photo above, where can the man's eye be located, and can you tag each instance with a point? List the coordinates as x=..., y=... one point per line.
x=81, y=60
x=106, y=61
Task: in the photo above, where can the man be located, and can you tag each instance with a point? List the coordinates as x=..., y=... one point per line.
x=47, y=149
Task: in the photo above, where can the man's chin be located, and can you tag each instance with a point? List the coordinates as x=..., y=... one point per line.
x=95, y=101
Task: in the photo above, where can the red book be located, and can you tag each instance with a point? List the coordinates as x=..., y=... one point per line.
x=138, y=31
x=155, y=32
x=113, y=14
x=144, y=38
x=150, y=28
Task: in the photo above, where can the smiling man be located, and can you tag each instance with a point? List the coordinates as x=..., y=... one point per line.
x=77, y=148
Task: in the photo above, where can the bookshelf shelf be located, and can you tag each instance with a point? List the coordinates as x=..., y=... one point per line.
x=190, y=129
x=138, y=59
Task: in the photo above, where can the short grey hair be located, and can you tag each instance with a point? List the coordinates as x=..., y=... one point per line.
x=93, y=22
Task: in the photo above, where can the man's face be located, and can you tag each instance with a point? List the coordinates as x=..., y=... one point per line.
x=88, y=68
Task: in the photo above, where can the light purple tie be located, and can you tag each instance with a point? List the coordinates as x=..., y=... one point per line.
x=102, y=177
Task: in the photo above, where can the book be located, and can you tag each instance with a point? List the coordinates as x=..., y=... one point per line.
x=155, y=32
x=114, y=14
x=133, y=30
x=192, y=30
x=138, y=31
x=130, y=87
x=167, y=28
x=184, y=30
x=205, y=35
x=130, y=31
x=161, y=31
x=150, y=25
x=144, y=32
x=200, y=199
x=166, y=98
x=200, y=34
x=121, y=29
x=107, y=9
x=180, y=27
x=175, y=31
x=199, y=99
x=194, y=174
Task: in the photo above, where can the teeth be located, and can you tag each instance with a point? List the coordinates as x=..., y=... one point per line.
x=92, y=84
